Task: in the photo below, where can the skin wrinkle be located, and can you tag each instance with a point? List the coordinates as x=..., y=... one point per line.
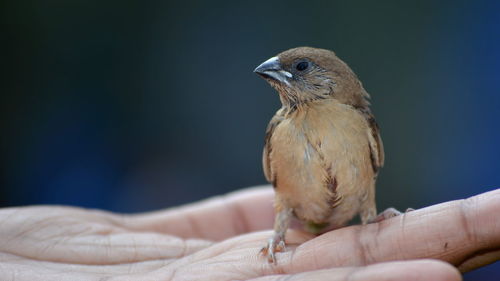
x=116, y=220
x=105, y=244
x=23, y=256
x=94, y=269
x=214, y=250
x=35, y=257
x=193, y=246
x=183, y=247
x=463, y=209
x=52, y=244
x=189, y=249
x=291, y=264
x=352, y=274
x=25, y=231
x=192, y=222
x=399, y=246
x=292, y=255
x=126, y=221
x=130, y=268
x=136, y=250
x=47, y=222
x=85, y=230
x=466, y=207
x=89, y=263
x=403, y=235
x=369, y=248
x=374, y=236
x=158, y=265
x=361, y=247
x=173, y=274
x=149, y=271
x=379, y=227
x=166, y=265
x=315, y=259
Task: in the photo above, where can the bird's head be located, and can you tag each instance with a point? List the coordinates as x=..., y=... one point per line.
x=305, y=74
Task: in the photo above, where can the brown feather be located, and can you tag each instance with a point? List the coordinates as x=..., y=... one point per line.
x=277, y=118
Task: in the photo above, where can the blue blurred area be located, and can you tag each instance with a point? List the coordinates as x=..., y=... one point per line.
x=138, y=105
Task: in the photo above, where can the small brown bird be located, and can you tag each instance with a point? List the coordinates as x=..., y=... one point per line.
x=322, y=149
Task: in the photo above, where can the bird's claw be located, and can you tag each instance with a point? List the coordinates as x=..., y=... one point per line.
x=274, y=244
x=389, y=213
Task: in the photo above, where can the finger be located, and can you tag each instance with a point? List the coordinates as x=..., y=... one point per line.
x=29, y=269
x=478, y=260
x=70, y=235
x=418, y=270
x=465, y=233
x=215, y=219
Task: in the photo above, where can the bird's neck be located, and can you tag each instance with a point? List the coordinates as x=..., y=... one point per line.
x=294, y=109
x=300, y=109
x=293, y=102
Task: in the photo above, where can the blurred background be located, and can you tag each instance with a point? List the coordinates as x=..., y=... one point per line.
x=138, y=105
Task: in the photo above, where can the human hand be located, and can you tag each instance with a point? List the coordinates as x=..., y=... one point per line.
x=217, y=240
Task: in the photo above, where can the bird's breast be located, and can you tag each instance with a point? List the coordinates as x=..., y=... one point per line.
x=320, y=157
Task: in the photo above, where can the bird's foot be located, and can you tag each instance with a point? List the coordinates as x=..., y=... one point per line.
x=387, y=214
x=275, y=244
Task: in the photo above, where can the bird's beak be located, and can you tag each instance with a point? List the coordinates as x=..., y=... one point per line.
x=271, y=69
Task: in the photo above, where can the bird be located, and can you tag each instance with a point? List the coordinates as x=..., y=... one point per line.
x=322, y=149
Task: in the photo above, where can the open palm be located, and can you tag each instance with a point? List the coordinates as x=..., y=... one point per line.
x=220, y=239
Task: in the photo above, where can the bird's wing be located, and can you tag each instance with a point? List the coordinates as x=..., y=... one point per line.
x=277, y=118
x=376, y=145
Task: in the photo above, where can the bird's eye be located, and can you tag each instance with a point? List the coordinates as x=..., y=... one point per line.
x=301, y=66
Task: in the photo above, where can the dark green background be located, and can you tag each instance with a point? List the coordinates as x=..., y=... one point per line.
x=139, y=105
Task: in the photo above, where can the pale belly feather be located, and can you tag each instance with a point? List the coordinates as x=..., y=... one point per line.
x=321, y=144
